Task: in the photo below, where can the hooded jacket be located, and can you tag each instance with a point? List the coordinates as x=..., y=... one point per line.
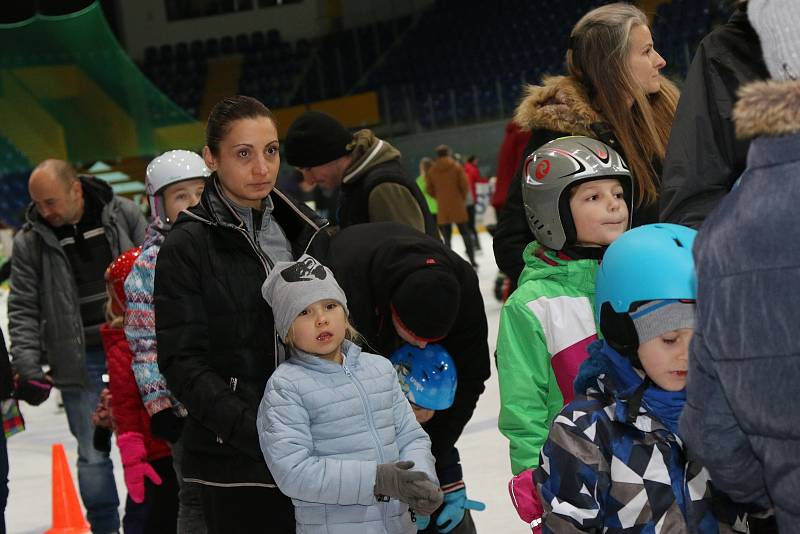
x=603, y=471
x=557, y=108
x=324, y=429
x=545, y=327
x=377, y=188
x=45, y=324
x=130, y=414
x=744, y=368
x=370, y=262
x=704, y=158
x=217, y=344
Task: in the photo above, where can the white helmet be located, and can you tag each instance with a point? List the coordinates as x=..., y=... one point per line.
x=169, y=168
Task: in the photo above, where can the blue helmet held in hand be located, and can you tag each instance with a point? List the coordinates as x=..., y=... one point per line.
x=427, y=376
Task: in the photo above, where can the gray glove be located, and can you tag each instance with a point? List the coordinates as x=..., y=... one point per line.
x=432, y=500
x=396, y=480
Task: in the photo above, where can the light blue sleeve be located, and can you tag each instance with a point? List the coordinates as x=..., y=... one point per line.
x=412, y=440
x=285, y=437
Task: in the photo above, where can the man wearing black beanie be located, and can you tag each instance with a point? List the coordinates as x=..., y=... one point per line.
x=374, y=185
x=404, y=286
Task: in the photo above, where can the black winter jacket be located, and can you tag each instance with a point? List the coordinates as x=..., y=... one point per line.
x=556, y=109
x=217, y=344
x=369, y=262
x=704, y=158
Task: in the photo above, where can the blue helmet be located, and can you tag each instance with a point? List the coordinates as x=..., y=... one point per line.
x=427, y=376
x=651, y=262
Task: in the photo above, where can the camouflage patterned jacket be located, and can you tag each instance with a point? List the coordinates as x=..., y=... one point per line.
x=601, y=473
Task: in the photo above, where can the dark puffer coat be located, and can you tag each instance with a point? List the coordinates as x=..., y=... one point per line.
x=704, y=158
x=741, y=416
x=217, y=344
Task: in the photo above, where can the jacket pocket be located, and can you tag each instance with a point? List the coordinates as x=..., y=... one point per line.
x=398, y=517
x=309, y=513
x=200, y=440
x=396, y=508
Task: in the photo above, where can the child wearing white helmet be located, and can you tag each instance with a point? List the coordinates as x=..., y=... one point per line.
x=175, y=181
x=577, y=194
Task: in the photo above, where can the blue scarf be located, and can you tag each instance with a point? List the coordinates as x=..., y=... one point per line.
x=666, y=406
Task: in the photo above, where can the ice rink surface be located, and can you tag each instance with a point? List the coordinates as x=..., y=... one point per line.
x=484, y=451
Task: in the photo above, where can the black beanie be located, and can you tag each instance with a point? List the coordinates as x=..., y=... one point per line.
x=315, y=138
x=427, y=302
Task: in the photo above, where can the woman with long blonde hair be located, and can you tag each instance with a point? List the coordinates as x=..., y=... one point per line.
x=613, y=92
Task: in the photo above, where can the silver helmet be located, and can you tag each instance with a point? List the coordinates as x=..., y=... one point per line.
x=552, y=170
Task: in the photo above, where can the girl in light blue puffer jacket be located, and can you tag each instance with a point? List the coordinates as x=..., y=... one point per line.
x=337, y=433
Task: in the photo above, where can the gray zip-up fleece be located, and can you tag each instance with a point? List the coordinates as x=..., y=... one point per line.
x=44, y=318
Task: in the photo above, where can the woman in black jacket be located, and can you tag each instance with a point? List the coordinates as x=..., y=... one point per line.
x=217, y=344
x=704, y=156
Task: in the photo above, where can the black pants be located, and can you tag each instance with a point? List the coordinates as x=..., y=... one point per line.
x=247, y=509
x=158, y=514
x=471, y=224
x=467, y=526
x=447, y=233
x=767, y=525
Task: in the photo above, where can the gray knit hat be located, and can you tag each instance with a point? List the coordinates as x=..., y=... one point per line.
x=292, y=286
x=659, y=316
x=777, y=23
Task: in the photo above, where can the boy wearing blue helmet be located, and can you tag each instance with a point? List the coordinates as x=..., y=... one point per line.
x=614, y=460
x=428, y=378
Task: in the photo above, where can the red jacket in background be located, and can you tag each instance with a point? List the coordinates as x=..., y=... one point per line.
x=473, y=177
x=512, y=152
x=129, y=412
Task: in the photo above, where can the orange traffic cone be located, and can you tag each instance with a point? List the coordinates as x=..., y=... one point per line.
x=67, y=513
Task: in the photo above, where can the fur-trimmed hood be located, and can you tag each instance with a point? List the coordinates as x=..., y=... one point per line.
x=560, y=104
x=768, y=108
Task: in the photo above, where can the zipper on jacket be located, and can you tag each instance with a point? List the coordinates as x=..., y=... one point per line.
x=232, y=382
x=311, y=239
x=300, y=213
x=371, y=423
x=266, y=262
